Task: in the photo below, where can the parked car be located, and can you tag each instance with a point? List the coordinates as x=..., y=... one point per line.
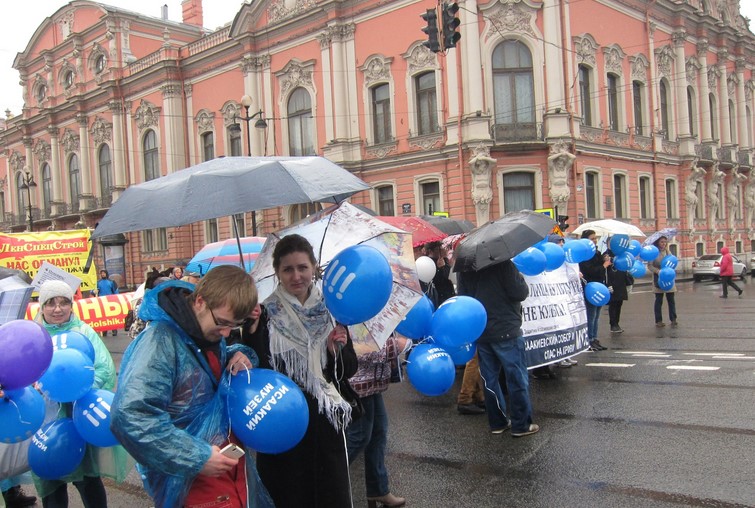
x=710, y=266
x=752, y=266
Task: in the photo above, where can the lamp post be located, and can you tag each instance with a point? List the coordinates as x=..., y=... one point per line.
x=246, y=101
x=28, y=183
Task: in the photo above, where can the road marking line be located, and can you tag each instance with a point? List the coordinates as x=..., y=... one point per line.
x=691, y=367
x=640, y=352
x=651, y=355
x=620, y=365
x=714, y=354
x=733, y=357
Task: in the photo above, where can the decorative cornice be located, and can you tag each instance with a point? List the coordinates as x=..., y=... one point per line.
x=376, y=69
x=586, y=48
x=205, y=121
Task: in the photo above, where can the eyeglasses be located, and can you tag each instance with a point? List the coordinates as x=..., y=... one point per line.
x=51, y=304
x=223, y=323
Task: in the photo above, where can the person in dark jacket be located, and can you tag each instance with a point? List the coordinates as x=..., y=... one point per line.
x=619, y=282
x=501, y=289
x=594, y=270
x=440, y=288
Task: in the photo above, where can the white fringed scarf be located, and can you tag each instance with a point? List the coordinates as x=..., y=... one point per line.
x=299, y=341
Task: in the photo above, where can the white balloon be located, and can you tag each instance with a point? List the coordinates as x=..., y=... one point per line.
x=425, y=268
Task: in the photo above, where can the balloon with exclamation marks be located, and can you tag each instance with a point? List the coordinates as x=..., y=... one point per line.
x=91, y=416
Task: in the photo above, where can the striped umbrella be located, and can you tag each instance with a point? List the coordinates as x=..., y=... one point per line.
x=226, y=252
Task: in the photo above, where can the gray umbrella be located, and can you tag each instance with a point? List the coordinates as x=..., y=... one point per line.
x=448, y=225
x=227, y=186
x=501, y=239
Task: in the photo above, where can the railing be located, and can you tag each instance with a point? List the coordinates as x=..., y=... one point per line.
x=517, y=132
x=143, y=63
x=103, y=201
x=209, y=41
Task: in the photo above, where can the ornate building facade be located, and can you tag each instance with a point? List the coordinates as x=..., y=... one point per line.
x=617, y=109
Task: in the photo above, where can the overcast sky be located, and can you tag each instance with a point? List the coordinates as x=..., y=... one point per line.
x=22, y=17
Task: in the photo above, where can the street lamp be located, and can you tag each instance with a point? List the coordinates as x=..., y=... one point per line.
x=246, y=101
x=28, y=183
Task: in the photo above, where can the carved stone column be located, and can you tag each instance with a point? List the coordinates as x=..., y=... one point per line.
x=119, y=150
x=481, y=166
x=743, y=138
x=704, y=101
x=723, y=99
x=56, y=170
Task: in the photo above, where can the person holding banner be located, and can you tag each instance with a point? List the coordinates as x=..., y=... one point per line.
x=304, y=343
x=169, y=411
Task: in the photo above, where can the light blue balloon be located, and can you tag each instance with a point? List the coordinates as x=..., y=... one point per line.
x=638, y=269
x=669, y=261
x=619, y=244
x=459, y=320
x=22, y=412
x=634, y=248
x=69, y=377
x=268, y=411
x=91, y=416
x=554, y=256
x=597, y=294
x=649, y=253
x=357, y=284
x=416, y=324
x=73, y=340
x=530, y=262
x=430, y=369
x=56, y=449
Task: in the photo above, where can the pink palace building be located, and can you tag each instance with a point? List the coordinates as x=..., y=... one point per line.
x=628, y=109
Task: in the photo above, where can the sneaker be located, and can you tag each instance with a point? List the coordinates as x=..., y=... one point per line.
x=674, y=323
x=470, y=409
x=616, y=329
x=502, y=430
x=572, y=361
x=533, y=429
x=564, y=364
x=598, y=345
x=660, y=324
x=594, y=349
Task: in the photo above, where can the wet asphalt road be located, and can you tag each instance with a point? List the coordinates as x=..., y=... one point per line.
x=664, y=418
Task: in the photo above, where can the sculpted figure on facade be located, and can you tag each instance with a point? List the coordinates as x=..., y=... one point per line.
x=749, y=199
x=714, y=200
x=560, y=162
x=690, y=193
x=732, y=196
x=481, y=164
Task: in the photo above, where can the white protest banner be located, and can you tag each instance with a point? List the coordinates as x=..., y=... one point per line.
x=554, y=320
x=48, y=271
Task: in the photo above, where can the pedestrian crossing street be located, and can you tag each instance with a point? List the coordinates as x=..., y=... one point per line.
x=674, y=361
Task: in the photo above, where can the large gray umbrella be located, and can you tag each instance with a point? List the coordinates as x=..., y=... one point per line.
x=227, y=186
x=448, y=225
x=501, y=239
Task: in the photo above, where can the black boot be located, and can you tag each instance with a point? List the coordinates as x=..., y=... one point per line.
x=15, y=497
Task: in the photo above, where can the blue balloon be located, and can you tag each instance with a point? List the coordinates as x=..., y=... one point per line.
x=634, y=248
x=666, y=275
x=619, y=244
x=56, y=449
x=459, y=320
x=431, y=369
x=669, y=261
x=462, y=354
x=268, y=410
x=649, y=253
x=530, y=262
x=576, y=251
x=357, y=284
x=623, y=261
x=21, y=414
x=91, y=416
x=69, y=377
x=597, y=294
x=638, y=269
x=416, y=323
x=73, y=340
x=554, y=256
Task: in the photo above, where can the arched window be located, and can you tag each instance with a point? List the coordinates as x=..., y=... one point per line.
x=299, y=113
x=430, y=196
x=664, y=106
x=691, y=111
x=303, y=210
x=427, y=103
x=208, y=146
x=74, y=184
x=638, y=89
x=733, y=121
x=585, y=95
x=713, y=116
x=47, y=189
x=613, y=101
x=513, y=84
x=518, y=191
x=106, y=174
x=151, y=156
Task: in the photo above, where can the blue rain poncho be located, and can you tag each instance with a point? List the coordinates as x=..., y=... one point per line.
x=169, y=409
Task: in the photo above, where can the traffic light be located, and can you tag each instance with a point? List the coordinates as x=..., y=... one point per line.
x=562, y=225
x=432, y=43
x=450, y=24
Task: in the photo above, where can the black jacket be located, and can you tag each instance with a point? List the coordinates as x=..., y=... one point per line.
x=501, y=289
x=593, y=270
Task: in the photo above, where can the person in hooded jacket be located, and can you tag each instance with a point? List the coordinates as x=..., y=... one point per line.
x=169, y=411
x=727, y=272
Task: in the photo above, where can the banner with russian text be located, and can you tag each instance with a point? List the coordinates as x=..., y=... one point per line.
x=102, y=313
x=67, y=250
x=554, y=319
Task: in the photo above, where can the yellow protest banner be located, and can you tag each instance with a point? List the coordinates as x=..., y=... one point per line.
x=68, y=250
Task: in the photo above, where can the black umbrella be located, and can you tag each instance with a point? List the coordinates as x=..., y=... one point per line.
x=501, y=239
x=448, y=225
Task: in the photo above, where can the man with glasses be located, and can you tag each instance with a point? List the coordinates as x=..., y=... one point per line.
x=169, y=412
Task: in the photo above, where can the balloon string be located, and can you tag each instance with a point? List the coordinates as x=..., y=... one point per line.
x=18, y=410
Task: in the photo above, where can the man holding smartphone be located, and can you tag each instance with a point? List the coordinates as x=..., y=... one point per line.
x=168, y=411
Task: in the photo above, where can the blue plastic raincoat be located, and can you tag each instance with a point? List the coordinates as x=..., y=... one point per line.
x=169, y=409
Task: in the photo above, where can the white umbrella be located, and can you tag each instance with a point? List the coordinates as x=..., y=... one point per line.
x=607, y=227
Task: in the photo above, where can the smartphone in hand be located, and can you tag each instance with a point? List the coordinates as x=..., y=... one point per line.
x=232, y=451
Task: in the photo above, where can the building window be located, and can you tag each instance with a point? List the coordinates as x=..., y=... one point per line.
x=106, y=174
x=637, y=90
x=738, y=246
x=585, y=94
x=151, y=156
x=518, y=191
x=385, y=201
x=748, y=115
x=21, y=195
x=303, y=210
x=699, y=249
x=155, y=240
x=208, y=146
x=211, y=231
x=591, y=194
x=74, y=182
x=713, y=122
x=645, y=198
x=719, y=246
x=430, y=197
x=240, y=219
x=41, y=93
x=99, y=64
x=673, y=249
x=68, y=80
x=691, y=111
x=671, y=208
x=47, y=189
x=427, y=110
x=664, y=107
x=513, y=84
x=619, y=196
x=613, y=102
x=234, y=141
x=300, y=123
x=381, y=113
x=2, y=206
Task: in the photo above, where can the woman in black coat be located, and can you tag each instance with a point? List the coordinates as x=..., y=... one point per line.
x=618, y=283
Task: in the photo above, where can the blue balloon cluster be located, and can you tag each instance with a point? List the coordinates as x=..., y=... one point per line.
x=554, y=255
x=669, y=261
x=69, y=377
x=357, y=284
x=73, y=340
x=649, y=253
x=619, y=244
x=638, y=269
x=623, y=261
x=431, y=369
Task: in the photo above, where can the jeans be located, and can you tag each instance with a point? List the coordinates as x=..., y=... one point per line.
x=91, y=490
x=593, y=314
x=370, y=433
x=659, y=307
x=471, y=384
x=509, y=355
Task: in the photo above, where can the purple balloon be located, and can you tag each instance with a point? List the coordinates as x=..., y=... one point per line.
x=25, y=353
